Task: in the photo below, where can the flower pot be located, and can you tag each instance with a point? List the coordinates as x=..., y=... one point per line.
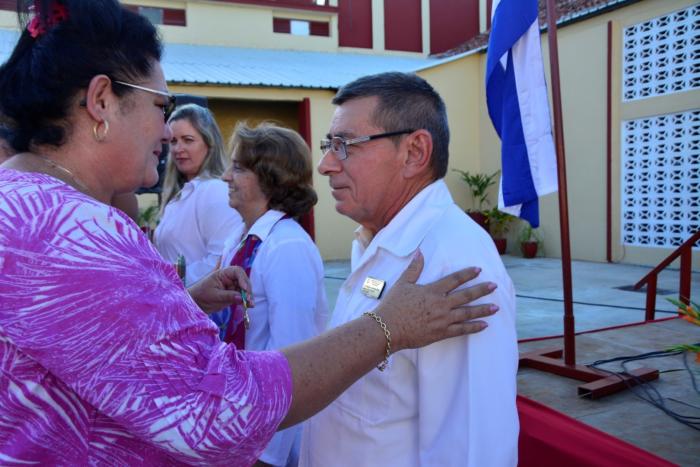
x=529, y=249
x=480, y=218
x=501, y=245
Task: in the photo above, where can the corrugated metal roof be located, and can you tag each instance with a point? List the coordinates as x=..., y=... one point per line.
x=279, y=68
x=202, y=64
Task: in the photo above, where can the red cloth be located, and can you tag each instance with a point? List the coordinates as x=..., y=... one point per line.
x=235, y=330
x=551, y=439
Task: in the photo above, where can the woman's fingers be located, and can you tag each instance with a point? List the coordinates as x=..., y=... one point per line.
x=412, y=272
x=235, y=278
x=465, y=319
x=469, y=294
x=452, y=281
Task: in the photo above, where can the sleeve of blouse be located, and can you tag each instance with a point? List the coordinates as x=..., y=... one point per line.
x=292, y=282
x=114, y=324
x=216, y=221
x=292, y=279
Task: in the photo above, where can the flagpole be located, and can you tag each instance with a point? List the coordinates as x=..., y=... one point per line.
x=598, y=383
x=569, y=329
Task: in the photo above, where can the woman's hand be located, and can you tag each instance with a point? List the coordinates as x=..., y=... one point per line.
x=420, y=315
x=416, y=315
x=221, y=288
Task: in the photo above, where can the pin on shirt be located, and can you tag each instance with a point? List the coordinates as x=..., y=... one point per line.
x=373, y=288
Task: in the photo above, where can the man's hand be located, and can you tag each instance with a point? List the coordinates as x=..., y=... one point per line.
x=221, y=288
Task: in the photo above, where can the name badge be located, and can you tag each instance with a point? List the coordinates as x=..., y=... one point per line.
x=373, y=288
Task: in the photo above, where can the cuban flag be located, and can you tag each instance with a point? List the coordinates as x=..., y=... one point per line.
x=516, y=96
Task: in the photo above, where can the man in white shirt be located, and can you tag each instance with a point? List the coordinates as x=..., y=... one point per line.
x=451, y=403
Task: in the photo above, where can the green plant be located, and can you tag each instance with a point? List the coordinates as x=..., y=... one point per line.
x=528, y=234
x=499, y=222
x=478, y=186
x=690, y=313
x=148, y=216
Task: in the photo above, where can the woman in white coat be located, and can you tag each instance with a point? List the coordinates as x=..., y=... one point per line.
x=270, y=185
x=195, y=218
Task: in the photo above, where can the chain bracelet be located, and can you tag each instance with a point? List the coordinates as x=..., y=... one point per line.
x=382, y=365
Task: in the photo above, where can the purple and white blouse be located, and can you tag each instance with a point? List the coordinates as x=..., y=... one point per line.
x=104, y=357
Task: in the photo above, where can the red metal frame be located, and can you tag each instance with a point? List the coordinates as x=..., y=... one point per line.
x=569, y=340
x=685, y=251
x=307, y=221
x=608, y=150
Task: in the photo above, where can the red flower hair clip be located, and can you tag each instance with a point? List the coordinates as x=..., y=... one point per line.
x=57, y=13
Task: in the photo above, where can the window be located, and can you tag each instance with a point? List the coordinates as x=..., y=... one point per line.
x=662, y=55
x=154, y=15
x=660, y=179
x=164, y=16
x=300, y=27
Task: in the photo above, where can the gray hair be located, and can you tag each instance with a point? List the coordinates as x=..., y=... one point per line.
x=406, y=101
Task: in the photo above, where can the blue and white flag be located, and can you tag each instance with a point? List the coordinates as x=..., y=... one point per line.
x=516, y=96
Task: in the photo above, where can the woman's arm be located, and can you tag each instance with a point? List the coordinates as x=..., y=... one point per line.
x=416, y=316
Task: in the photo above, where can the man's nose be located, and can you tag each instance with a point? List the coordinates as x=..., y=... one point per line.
x=329, y=163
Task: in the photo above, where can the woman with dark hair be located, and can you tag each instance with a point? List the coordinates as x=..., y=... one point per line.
x=6, y=150
x=105, y=358
x=269, y=183
x=195, y=217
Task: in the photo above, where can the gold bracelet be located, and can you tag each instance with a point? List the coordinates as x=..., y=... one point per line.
x=382, y=366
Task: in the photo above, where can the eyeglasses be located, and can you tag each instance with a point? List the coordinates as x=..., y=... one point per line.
x=168, y=108
x=339, y=145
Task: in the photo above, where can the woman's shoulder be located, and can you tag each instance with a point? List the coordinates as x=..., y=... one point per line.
x=210, y=184
x=53, y=213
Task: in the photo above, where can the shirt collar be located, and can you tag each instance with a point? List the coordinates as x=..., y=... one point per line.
x=189, y=187
x=404, y=233
x=263, y=226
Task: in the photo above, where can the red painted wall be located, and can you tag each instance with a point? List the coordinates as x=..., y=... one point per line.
x=452, y=22
x=355, y=23
x=402, y=25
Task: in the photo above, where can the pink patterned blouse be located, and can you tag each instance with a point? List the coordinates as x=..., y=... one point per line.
x=104, y=357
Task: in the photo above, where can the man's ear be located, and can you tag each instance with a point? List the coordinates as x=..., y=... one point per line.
x=99, y=97
x=419, y=151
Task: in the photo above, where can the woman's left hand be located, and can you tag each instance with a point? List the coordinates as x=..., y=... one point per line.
x=221, y=288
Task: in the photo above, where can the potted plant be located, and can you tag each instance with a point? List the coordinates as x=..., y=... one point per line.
x=478, y=188
x=499, y=224
x=148, y=220
x=529, y=241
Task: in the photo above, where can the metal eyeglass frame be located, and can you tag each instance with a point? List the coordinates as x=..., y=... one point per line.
x=339, y=145
x=168, y=109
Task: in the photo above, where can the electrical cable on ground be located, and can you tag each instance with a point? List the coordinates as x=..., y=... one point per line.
x=648, y=393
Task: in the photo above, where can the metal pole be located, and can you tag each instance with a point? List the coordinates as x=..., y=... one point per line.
x=569, y=338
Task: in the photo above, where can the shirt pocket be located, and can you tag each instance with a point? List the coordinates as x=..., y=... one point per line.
x=371, y=399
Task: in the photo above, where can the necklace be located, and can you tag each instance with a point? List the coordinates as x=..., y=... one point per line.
x=55, y=165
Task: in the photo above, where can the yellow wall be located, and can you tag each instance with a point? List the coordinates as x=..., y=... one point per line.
x=458, y=82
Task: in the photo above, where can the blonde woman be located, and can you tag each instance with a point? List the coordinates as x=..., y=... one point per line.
x=195, y=218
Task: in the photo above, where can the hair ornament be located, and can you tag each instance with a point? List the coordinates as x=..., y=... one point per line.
x=43, y=21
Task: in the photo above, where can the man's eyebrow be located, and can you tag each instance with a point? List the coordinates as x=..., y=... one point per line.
x=342, y=134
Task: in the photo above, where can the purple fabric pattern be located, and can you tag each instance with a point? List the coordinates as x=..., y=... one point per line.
x=104, y=357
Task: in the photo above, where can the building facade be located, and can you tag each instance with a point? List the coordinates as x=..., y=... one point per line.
x=630, y=79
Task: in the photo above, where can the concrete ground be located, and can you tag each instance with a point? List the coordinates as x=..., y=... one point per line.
x=600, y=302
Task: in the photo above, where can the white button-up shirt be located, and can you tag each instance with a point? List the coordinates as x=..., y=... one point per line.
x=448, y=404
x=290, y=302
x=195, y=225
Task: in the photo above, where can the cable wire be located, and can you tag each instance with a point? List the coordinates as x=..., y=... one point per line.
x=647, y=392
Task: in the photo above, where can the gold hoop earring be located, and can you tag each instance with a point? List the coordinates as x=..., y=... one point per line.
x=96, y=131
